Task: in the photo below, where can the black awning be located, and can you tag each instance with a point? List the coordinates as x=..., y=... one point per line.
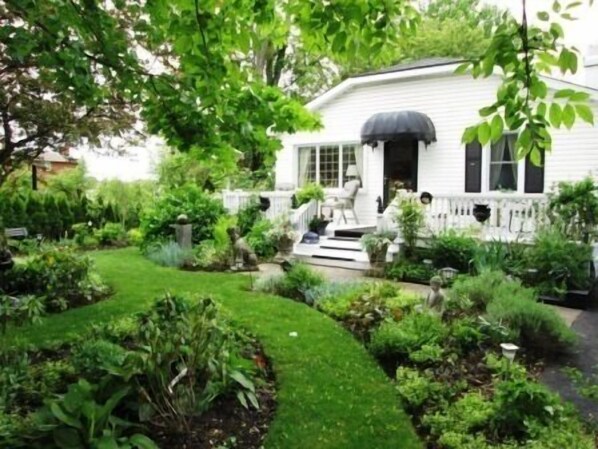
x=397, y=126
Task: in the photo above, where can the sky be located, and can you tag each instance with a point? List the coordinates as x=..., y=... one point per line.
x=140, y=161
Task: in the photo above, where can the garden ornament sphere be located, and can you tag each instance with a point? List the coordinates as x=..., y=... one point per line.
x=182, y=219
x=509, y=350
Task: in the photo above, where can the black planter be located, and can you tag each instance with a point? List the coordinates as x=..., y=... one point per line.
x=319, y=226
x=481, y=212
x=264, y=203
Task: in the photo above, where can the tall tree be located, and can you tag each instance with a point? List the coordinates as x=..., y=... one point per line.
x=67, y=72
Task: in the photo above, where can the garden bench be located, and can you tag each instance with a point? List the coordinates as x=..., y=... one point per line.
x=16, y=232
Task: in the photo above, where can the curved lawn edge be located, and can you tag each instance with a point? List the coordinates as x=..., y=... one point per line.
x=331, y=393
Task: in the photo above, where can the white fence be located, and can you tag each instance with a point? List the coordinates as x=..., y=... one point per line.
x=302, y=216
x=512, y=216
x=235, y=200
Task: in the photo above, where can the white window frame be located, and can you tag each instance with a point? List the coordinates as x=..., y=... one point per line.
x=340, y=162
x=487, y=161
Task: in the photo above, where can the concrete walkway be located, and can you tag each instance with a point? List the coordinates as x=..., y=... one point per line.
x=343, y=275
x=584, y=359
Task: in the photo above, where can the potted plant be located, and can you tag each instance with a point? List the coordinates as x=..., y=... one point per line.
x=318, y=225
x=284, y=236
x=376, y=245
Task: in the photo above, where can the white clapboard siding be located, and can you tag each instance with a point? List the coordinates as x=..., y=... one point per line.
x=452, y=102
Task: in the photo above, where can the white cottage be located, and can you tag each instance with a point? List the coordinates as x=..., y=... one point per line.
x=403, y=126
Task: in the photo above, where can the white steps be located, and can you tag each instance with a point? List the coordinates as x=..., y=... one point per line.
x=337, y=252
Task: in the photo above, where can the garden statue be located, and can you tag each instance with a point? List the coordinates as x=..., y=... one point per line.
x=435, y=299
x=244, y=259
x=183, y=231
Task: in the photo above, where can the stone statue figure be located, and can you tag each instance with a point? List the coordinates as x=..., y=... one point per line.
x=244, y=258
x=435, y=300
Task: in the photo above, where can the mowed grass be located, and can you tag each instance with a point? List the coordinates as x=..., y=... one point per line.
x=331, y=393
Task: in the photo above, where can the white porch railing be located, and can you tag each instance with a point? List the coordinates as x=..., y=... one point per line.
x=302, y=216
x=511, y=216
x=235, y=200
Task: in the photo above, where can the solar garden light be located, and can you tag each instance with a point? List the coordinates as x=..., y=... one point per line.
x=509, y=350
x=447, y=273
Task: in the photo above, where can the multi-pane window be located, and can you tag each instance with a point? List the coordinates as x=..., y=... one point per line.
x=330, y=164
x=503, y=164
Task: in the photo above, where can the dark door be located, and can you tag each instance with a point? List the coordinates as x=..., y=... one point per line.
x=400, y=167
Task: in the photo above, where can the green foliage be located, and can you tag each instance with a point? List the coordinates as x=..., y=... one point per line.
x=300, y=279
x=111, y=234
x=575, y=206
x=64, y=279
x=84, y=417
x=586, y=386
x=498, y=256
x=412, y=333
x=18, y=311
x=533, y=323
x=562, y=264
x=209, y=256
x=248, y=216
x=135, y=236
x=308, y=192
x=404, y=270
x=467, y=415
x=126, y=200
x=202, y=210
x=260, y=241
x=190, y=342
x=524, y=52
x=465, y=334
x=169, y=254
x=452, y=249
x=416, y=389
x=478, y=289
x=95, y=357
x=410, y=220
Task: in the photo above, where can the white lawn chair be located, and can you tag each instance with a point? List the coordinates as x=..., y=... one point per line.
x=343, y=201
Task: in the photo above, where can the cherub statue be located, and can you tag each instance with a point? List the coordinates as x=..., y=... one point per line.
x=435, y=300
x=242, y=252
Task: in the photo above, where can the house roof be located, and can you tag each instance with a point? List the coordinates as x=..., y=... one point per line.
x=419, y=64
x=425, y=68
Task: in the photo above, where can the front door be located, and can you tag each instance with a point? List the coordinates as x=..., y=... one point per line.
x=400, y=167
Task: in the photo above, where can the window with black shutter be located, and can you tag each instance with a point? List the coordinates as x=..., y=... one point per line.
x=534, y=176
x=473, y=167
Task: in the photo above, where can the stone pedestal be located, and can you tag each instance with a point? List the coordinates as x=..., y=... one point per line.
x=184, y=233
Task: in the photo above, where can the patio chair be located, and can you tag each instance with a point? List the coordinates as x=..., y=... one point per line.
x=343, y=201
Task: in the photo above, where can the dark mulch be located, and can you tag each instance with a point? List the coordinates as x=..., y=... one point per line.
x=227, y=422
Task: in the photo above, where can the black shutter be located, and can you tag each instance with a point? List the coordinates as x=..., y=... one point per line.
x=473, y=167
x=534, y=176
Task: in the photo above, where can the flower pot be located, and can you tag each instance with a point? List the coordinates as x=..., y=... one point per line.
x=320, y=227
x=378, y=257
x=285, y=245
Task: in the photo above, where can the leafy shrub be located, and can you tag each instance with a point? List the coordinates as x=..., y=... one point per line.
x=521, y=402
x=410, y=219
x=18, y=311
x=135, y=236
x=561, y=263
x=452, y=249
x=248, y=216
x=202, y=210
x=112, y=234
x=498, y=256
x=416, y=389
x=401, y=338
x=404, y=270
x=538, y=327
x=170, y=254
x=575, y=207
x=93, y=358
x=478, y=289
x=209, y=257
x=80, y=232
x=465, y=334
x=190, y=342
x=300, y=279
x=469, y=414
x=65, y=279
x=308, y=192
x=260, y=241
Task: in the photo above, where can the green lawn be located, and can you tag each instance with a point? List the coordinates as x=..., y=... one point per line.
x=331, y=392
